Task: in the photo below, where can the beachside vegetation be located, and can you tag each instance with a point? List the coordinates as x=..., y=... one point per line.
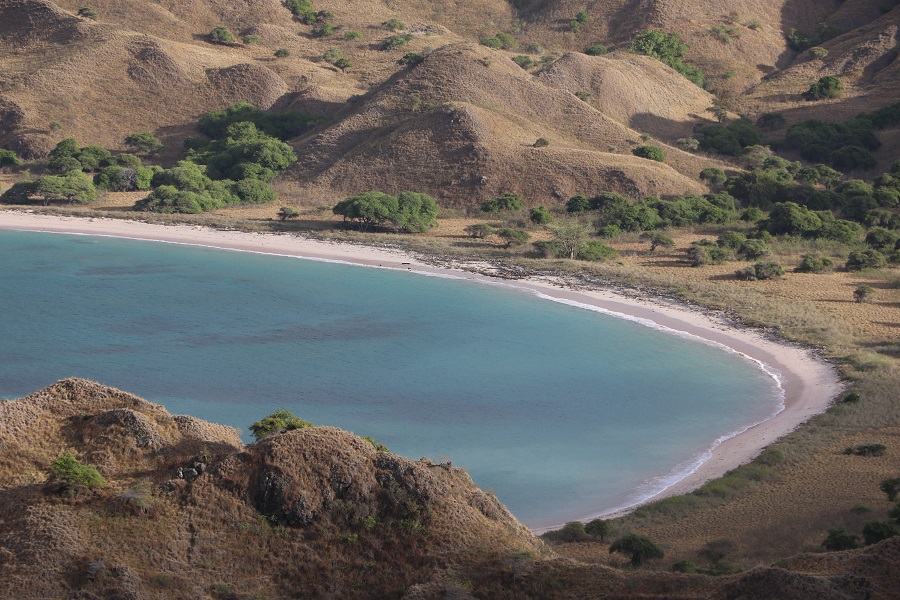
x=408, y=212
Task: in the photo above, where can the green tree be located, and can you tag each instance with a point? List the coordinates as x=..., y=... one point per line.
x=221, y=35
x=760, y=271
x=599, y=528
x=71, y=473
x=814, y=263
x=144, y=142
x=513, y=237
x=280, y=420
x=639, y=547
x=713, y=176
x=571, y=235
x=74, y=187
x=479, y=230
x=572, y=531
x=668, y=49
x=859, y=260
x=369, y=209
x=840, y=539
x=657, y=239
x=596, y=50
x=282, y=53
x=416, y=212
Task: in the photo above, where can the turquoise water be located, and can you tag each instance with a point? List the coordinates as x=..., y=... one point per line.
x=563, y=412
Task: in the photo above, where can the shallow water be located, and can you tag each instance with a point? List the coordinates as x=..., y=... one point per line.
x=561, y=411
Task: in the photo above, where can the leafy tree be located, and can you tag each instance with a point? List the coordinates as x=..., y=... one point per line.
x=298, y=7
x=877, y=530
x=283, y=126
x=286, y=212
x=650, y=152
x=74, y=187
x=369, y=209
x=639, y=547
x=730, y=139
x=578, y=204
x=253, y=191
x=657, y=239
x=70, y=472
x=221, y=35
x=638, y=217
x=416, y=212
x=594, y=250
x=881, y=239
x=827, y=87
x=792, y=219
x=513, y=237
x=144, y=142
x=571, y=236
x=753, y=249
x=280, y=420
x=572, y=531
x=91, y=157
x=891, y=488
x=540, y=215
x=247, y=153
x=507, y=202
x=479, y=230
x=598, y=528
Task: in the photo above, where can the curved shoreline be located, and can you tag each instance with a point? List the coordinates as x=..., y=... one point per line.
x=809, y=384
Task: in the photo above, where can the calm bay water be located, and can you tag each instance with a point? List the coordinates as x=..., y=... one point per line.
x=561, y=411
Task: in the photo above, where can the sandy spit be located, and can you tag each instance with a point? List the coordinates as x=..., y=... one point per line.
x=809, y=384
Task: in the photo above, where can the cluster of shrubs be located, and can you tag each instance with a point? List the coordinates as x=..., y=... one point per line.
x=410, y=212
x=668, y=49
x=873, y=530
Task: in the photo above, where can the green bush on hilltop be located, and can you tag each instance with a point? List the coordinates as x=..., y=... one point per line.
x=280, y=420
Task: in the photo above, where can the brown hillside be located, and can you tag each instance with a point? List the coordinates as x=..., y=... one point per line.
x=462, y=126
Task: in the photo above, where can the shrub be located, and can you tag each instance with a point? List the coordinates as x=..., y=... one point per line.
x=68, y=471
x=352, y=35
x=499, y=41
x=730, y=139
x=848, y=158
x=873, y=449
x=144, y=142
x=282, y=53
x=323, y=29
x=411, y=59
x=541, y=143
x=583, y=95
x=250, y=39
x=859, y=260
x=298, y=7
x=221, y=35
x=8, y=158
x=800, y=40
x=668, y=49
x=595, y=250
x=657, y=239
x=578, y=204
x=851, y=398
x=583, y=17
x=540, y=215
x=760, y=271
x=609, y=231
x=814, y=263
x=395, y=41
x=713, y=176
x=596, y=50
x=523, y=61
x=863, y=294
x=253, y=191
x=287, y=212
x=650, y=152
x=880, y=238
x=827, y=87
x=753, y=249
x=688, y=144
x=393, y=25
x=507, y=202
x=280, y=420
x=639, y=547
x=818, y=52
x=891, y=488
x=88, y=13
x=771, y=121
x=877, y=530
x=684, y=566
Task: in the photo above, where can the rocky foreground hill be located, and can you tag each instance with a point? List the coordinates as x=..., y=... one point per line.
x=188, y=511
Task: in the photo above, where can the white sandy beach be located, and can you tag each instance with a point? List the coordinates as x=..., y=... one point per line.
x=809, y=384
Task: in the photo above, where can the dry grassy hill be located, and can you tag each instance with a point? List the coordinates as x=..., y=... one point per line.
x=188, y=511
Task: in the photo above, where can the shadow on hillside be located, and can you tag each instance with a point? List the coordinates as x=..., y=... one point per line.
x=666, y=130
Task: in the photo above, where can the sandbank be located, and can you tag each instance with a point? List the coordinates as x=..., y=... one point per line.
x=809, y=384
